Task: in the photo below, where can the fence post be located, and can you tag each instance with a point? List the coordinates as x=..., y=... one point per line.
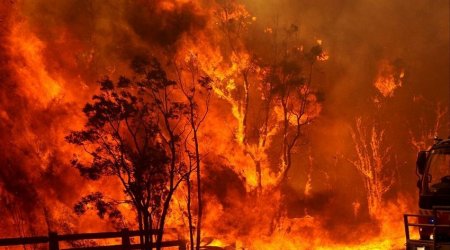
x=405, y=221
x=183, y=245
x=126, y=239
x=53, y=243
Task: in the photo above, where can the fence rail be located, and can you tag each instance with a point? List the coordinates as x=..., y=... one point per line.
x=53, y=240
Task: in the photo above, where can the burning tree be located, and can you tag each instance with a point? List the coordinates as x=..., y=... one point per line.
x=429, y=130
x=274, y=84
x=235, y=84
x=288, y=88
x=373, y=156
x=298, y=103
x=132, y=133
x=271, y=94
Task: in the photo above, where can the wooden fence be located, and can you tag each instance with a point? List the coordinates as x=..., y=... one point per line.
x=53, y=239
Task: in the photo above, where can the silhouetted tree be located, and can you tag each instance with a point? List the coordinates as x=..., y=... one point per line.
x=169, y=113
x=192, y=86
x=132, y=133
x=291, y=78
x=289, y=97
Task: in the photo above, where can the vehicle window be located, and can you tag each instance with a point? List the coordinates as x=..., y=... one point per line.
x=439, y=165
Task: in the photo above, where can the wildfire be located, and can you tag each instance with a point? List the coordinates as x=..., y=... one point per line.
x=255, y=108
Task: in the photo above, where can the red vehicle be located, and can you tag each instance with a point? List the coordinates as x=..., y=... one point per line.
x=433, y=169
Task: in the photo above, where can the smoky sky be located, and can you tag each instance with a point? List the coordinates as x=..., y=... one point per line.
x=360, y=34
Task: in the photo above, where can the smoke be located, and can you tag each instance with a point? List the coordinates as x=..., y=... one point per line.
x=359, y=36
x=107, y=34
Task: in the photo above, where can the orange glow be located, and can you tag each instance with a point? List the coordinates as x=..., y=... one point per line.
x=31, y=68
x=388, y=79
x=288, y=159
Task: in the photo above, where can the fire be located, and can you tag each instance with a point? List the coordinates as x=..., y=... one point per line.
x=285, y=165
x=389, y=79
x=27, y=59
x=324, y=56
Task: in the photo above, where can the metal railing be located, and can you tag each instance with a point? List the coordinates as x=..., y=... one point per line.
x=53, y=240
x=435, y=225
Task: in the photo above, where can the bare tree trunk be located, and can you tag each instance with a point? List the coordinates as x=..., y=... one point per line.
x=199, y=189
x=285, y=160
x=147, y=234
x=195, y=120
x=258, y=175
x=166, y=206
x=173, y=159
x=246, y=103
x=189, y=211
x=141, y=225
x=159, y=237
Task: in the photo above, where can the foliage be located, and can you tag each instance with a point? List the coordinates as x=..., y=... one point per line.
x=132, y=133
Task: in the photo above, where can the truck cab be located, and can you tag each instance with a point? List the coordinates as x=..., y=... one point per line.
x=433, y=169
